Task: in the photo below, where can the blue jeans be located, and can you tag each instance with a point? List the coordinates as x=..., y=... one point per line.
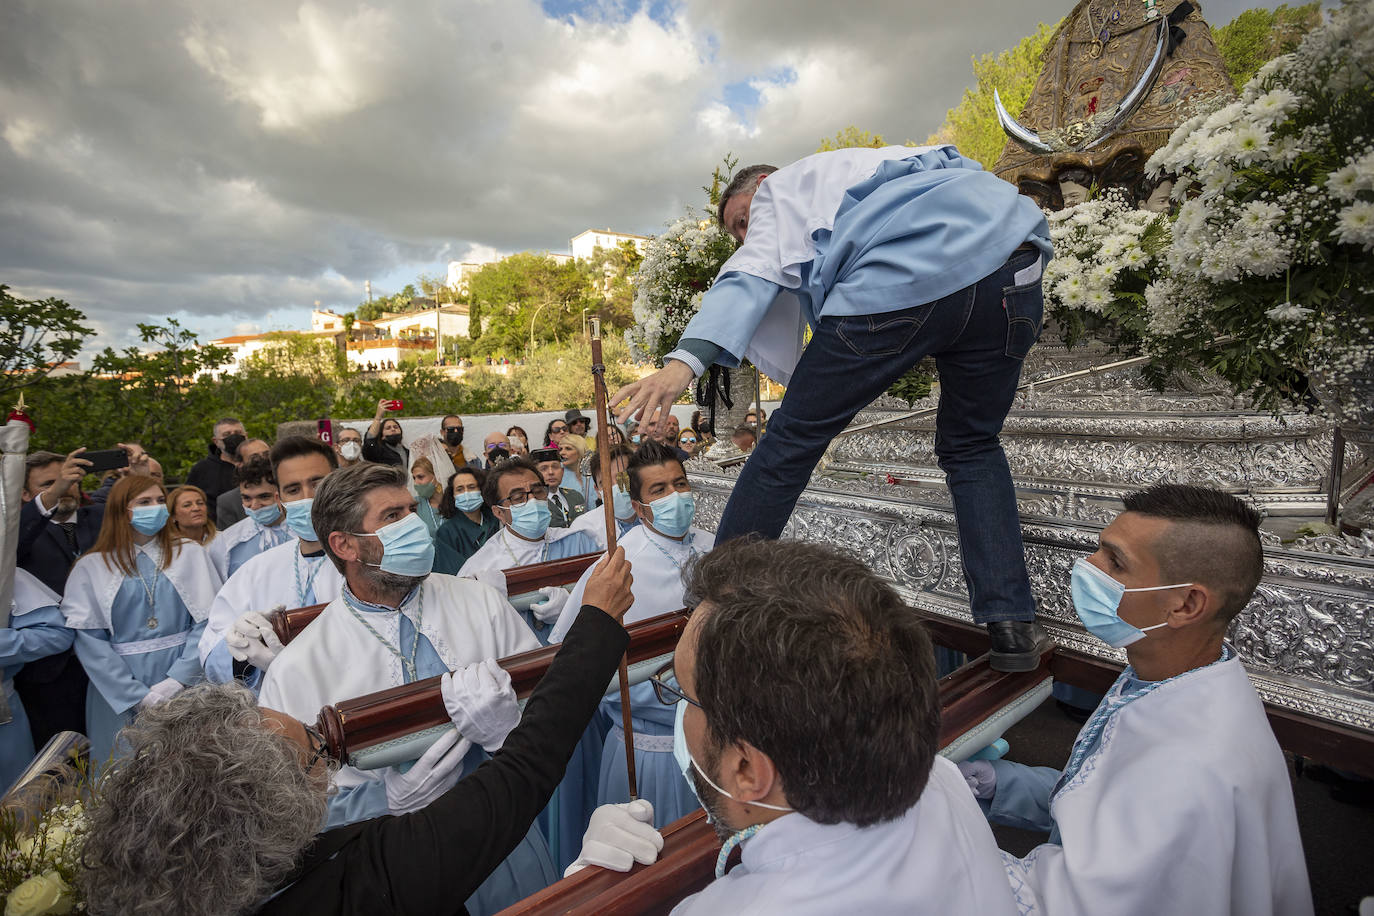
x=979, y=337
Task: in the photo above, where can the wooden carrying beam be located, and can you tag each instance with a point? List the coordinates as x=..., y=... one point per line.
x=690, y=846
x=368, y=720
x=519, y=580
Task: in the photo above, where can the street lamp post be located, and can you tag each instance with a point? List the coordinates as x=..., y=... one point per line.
x=532, y=321
x=584, y=324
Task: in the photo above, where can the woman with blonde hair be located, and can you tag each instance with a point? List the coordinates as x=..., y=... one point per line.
x=429, y=504
x=137, y=600
x=190, y=514
x=570, y=452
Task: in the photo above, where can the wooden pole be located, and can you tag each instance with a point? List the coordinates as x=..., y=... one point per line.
x=603, y=451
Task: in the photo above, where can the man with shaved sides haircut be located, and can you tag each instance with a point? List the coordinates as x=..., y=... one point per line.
x=1175, y=797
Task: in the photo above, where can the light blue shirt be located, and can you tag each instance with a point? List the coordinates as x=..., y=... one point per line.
x=919, y=229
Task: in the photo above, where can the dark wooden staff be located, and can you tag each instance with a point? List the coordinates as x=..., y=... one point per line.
x=603, y=451
x=359, y=723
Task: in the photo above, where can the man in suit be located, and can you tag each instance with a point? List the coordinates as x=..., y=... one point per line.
x=564, y=504
x=214, y=473
x=54, y=529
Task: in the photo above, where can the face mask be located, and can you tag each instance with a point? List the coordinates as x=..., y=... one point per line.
x=298, y=518
x=530, y=520
x=454, y=435
x=351, y=450
x=673, y=513
x=232, y=443
x=149, y=519
x=267, y=515
x=624, y=507
x=407, y=549
x=1096, y=597
x=425, y=490
x=635, y=438
x=468, y=501
x=686, y=764
x=392, y=439
x=516, y=442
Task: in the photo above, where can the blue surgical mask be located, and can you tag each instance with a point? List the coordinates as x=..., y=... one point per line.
x=530, y=520
x=1097, y=598
x=407, y=548
x=624, y=506
x=298, y=518
x=267, y=515
x=468, y=500
x=635, y=438
x=686, y=764
x=149, y=519
x=673, y=513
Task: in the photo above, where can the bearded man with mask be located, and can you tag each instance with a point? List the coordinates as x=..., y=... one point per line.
x=238, y=641
x=519, y=499
x=1176, y=796
x=394, y=623
x=807, y=719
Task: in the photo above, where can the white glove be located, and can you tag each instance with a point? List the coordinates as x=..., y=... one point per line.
x=481, y=702
x=251, y=639
x=618, y=836
x=981, y=778
x=431, y=776
x=496, y=578
x=161, y=692
x=554, y=598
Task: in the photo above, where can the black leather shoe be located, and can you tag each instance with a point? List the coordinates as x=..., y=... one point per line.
x=1017, y=645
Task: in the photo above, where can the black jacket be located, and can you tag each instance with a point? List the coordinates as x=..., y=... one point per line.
x=43, y=548
x=214, y=476
x=374, y=449
x=430, y=861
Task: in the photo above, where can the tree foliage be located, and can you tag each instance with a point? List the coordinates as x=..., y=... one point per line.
x=972, y=124
x=850, y=138
x=35, y=337
x=1258, y=35
x=526, y=298
x=558, y=377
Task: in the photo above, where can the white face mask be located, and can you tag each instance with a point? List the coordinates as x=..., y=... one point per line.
x=351, y=450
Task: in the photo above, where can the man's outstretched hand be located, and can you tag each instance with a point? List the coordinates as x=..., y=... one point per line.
x=653, y=394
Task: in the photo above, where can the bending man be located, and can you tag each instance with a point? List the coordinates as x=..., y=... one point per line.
x=890, y=255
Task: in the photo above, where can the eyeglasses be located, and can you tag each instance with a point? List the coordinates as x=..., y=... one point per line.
x=682, y=441
x=669, y=694
x=558, y=429
x=520, y=497
x=317, y=745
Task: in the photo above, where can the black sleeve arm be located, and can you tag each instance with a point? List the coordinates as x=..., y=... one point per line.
x=443, y=852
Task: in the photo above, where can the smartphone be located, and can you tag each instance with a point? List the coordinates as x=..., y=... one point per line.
x=106, y=459
x=325, y=429
x=394, y=405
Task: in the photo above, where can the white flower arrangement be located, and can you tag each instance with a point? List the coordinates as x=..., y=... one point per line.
x=678, y=267
x=38, y=869
x=1106, y=253
x=1269, y=276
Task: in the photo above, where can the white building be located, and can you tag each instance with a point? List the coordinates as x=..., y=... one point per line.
x=443, y=322
x=585, y=243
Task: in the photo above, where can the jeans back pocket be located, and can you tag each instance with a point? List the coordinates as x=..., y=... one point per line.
x=1025, y=308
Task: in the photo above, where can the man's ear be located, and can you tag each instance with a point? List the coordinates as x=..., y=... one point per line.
x=1200, y=603
x=748, y=773
x=343, y=545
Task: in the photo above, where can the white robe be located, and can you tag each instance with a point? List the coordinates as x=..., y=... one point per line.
x=1184, y=807
x=280, y=576
x=658, y=577
x=938, y=858
x=92, y=585
x=593, y=524
x=336, y=658
x=241, y=532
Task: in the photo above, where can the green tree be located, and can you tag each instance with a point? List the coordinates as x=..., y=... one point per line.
x=1258, y=35
x=560, y=376
x=526, y=296
x=850, y=138
x=972, y=124
x=36, y=336
x=611, y=271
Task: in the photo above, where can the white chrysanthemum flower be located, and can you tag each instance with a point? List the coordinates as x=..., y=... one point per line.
x=1098, y=299
x=1250, y=143
x=1223, y=117
x=1364, y=171
x=1258, y=216
x=1343, y=183
x=1271, y=107
x=1287, y=311
x=1355, y=225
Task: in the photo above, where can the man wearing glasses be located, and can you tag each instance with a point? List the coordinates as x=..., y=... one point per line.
x=519, y=499
x=807, y=720
x=658, y=549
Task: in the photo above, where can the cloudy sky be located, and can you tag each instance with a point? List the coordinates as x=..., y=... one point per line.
x=231, y=162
